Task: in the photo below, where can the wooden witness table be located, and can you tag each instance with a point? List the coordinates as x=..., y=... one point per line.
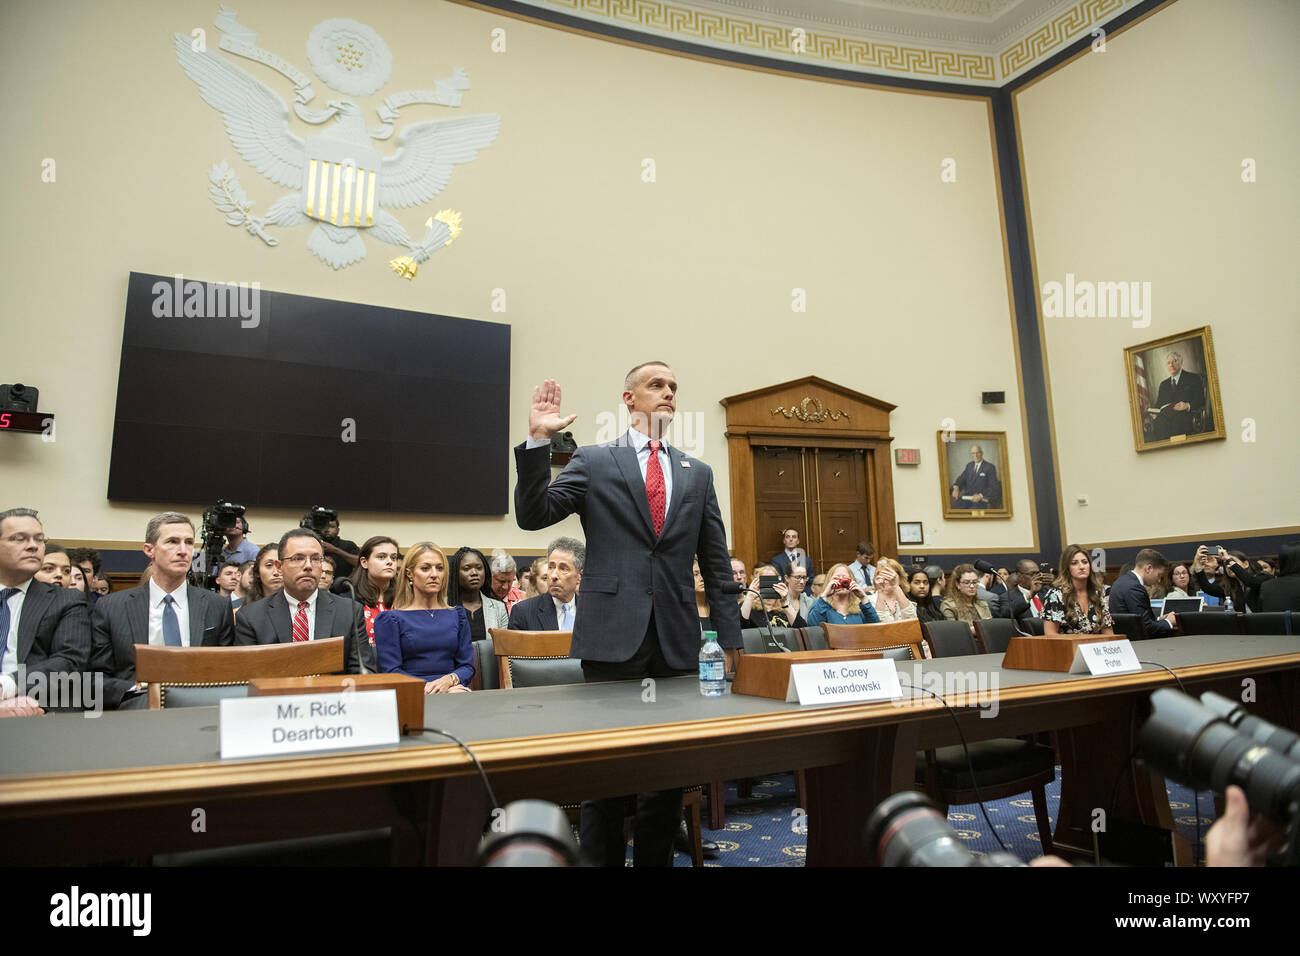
x=129, y=784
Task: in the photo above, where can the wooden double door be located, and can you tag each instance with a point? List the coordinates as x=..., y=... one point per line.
x=823, y=493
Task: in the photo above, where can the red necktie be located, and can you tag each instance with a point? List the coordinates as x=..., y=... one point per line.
x=300, y=632
x=654, y=488
x=1038, y=606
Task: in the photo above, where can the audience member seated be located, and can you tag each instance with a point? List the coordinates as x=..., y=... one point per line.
x=999, y=583
x=918, y=592
x=164, y=611
x=842, y=601
x=781, y=611
x=701, y=600
x=863, y=566
x=1268, y=566
x=964, y=603
x=89, y=561
x=56, y=568
x=245, y=585
x=238, y=548
x=796, y=582
x=102, y=588
x=890, y=600
x=1183, y=584
x=228, y=579
x=345, y=553
x=986, y=595
x=422, y=635
x=1075, y=603
x=1026, y=592
x=313, y=615
x=266, y=577
x=465, y=588
x=555, y=608
x=1208, y=575
x=938, y=584
x=77, y=581
x=1128, y=595
x=1282, y=593
x=738, y=572
x=818, y=583
x=502, y=585
x=1242, y=580
x=374, y=582
x=45, y=627
x=535, y=579
x=791, y=555
x=328, y=573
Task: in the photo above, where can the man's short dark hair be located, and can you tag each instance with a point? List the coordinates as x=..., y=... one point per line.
x=52, y=548
x=574, y=547
x=630, y=380
x=933, y=572
x=230, y=564
x=296, y=533
x=154, y=527
x=77, y=555
x=866, y=547
x=333, y=566
x=18, y=513
x=1152, y=557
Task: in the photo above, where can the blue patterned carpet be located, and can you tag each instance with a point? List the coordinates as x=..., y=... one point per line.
x=764, y=830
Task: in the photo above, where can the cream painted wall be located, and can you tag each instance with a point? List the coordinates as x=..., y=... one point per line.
x=764, y=184
x=1133, y=159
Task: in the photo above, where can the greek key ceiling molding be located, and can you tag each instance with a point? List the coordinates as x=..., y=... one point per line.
x=976, y=42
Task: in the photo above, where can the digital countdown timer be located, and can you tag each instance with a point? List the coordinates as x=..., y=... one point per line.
x=38, y=422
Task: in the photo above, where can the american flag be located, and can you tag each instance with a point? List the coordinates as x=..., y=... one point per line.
x=1140, y=375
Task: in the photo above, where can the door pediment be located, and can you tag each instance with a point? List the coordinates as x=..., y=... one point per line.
x=804, y=406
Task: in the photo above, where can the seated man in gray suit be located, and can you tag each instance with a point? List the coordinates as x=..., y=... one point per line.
x=44, y=629
x=555, y=609
x=165, y=610
x=315, y=614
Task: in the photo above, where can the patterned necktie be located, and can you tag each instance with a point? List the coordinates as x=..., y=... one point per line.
x=566, y=621
x=170, y=624
x=654, y=488
x=5, y=595
x=300, y=632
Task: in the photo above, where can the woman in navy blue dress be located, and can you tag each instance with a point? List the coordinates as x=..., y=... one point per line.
x=422, y=636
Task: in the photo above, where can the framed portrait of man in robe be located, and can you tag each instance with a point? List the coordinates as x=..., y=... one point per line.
x=1173, y=390
x=973, y=474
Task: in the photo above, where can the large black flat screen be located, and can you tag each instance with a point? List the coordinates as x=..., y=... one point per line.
x=253, y=410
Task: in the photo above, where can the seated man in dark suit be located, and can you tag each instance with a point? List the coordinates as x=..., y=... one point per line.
x=556, y=608
x=1180, y=402
x=315, y=614
x=977, y=486
x=1128, y=595
x=1025, y=592
x=45, y=628
x=165, y=610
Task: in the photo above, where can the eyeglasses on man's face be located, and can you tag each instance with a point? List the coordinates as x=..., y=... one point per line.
x=298, y=560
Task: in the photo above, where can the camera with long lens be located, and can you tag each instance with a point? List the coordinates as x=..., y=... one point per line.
x=318, y=519
x=216, y=519
x=529, y=833
x=909, y=829
x=1213, y=743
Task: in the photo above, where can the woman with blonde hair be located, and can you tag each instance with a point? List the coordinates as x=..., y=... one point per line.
x=422, y=635
x=1075, y=602
x=890, y=600
x=842, y=601
x=783, y=611
x=963, y=602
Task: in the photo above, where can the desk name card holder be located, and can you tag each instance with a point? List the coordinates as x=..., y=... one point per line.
x=410, y=691
x=815, y=676
x=307, y=723
x=1107, y=656
x=1046, y=653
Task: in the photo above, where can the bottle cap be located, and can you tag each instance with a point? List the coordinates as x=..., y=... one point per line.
x=710, y=636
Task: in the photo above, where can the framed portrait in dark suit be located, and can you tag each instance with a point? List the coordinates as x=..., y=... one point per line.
x=1173, y=391
x=973, y=477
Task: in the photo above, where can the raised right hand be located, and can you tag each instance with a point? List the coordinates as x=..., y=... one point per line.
x=544, y=418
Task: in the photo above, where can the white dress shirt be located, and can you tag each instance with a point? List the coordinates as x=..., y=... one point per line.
x=864, y=574
x=641, y=442
x=9, y=659
x=311, y=612
x=181, y=606
x=560, y=609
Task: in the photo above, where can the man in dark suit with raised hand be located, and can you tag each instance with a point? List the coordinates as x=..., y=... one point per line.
x=165, y=610
x=44, y=629
x=315, y=615
x=648, y=512
x=555, y=609
x=1129, y=595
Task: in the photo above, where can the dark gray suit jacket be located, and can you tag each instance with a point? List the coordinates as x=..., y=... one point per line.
x=121, y=621
x=53, y=636
x=267, y=622
x=1128, y=596
x=630, y=573
x=536, y=613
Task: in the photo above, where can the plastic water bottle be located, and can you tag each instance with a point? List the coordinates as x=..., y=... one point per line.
x=713, y=666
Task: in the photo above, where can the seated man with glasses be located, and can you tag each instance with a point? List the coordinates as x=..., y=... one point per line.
x=302, y=611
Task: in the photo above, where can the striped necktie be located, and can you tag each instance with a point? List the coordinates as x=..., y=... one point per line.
x=300, y=632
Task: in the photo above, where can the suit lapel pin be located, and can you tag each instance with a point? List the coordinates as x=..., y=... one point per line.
x=686, y=464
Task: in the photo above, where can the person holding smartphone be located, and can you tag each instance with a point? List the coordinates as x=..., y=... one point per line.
x=842, y=601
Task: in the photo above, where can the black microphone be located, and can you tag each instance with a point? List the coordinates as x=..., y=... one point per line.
x=983, y=567
x=731, y=587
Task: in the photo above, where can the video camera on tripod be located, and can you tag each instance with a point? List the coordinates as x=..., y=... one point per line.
x=216, y=520
x=318, y=519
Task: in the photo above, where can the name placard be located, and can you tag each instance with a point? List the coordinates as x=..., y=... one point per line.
x=303, y=723
x=1105, y=657
x=843, y=682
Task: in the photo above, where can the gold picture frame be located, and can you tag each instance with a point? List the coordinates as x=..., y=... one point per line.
x=972, y=487
x=1166, y=414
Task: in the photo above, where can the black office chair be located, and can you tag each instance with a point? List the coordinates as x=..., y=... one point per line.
x=756, y=640
x=1128, y=625
x=1034, y=625
x=1196, y=623
x=814, y=638
x=1271, y=622
x=995, y=634
x=485, y=667
x=950, y=638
